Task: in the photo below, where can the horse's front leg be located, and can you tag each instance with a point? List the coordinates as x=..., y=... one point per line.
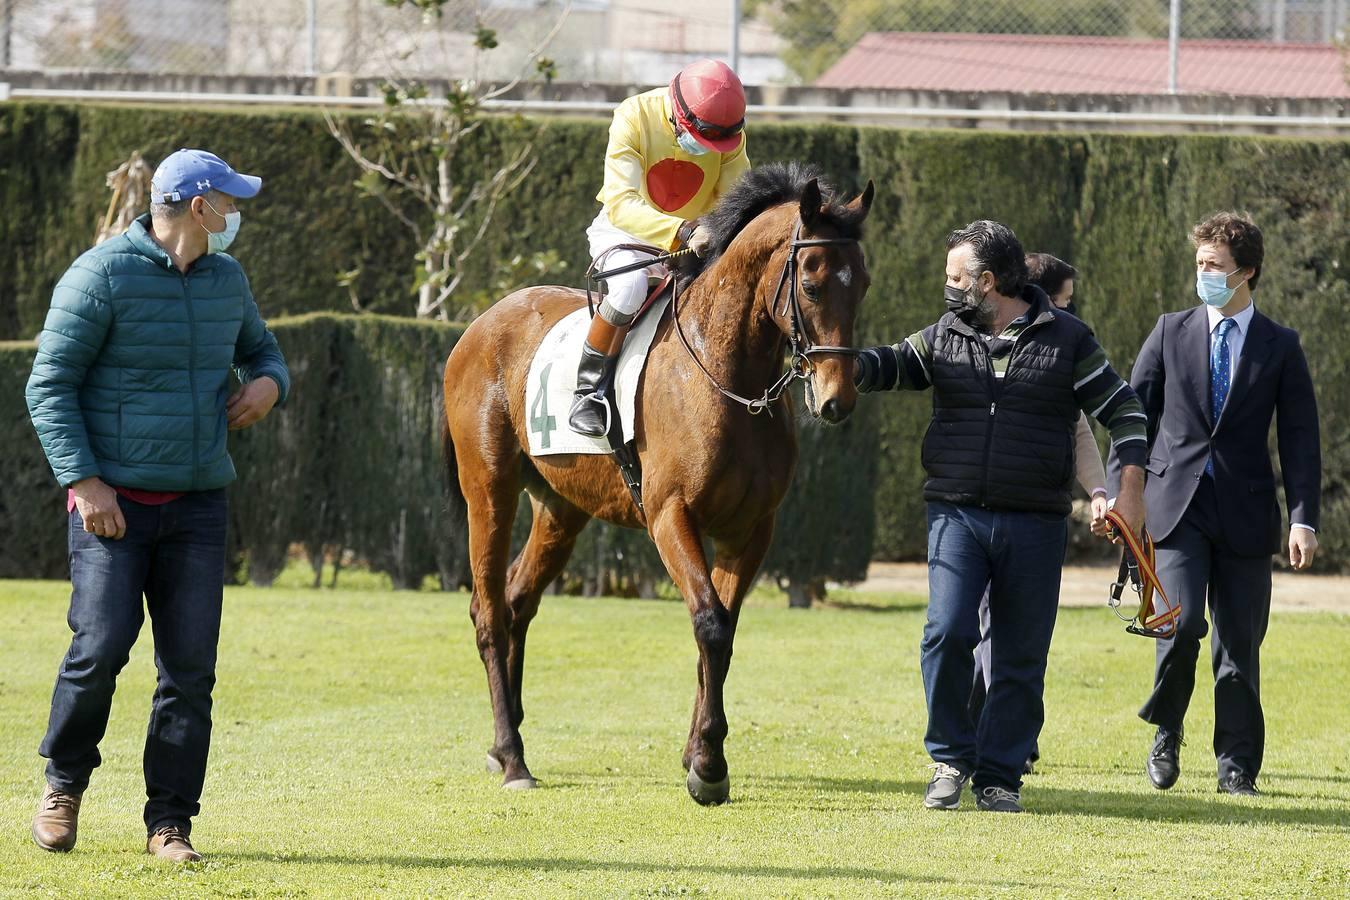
x=733, y=574
x=714, y=621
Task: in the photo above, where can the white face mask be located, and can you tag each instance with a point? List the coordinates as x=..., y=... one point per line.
x=689, y=145
x=220, y=241
x=1212, y=287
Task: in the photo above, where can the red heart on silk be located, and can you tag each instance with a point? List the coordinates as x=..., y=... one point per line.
x=672, y=183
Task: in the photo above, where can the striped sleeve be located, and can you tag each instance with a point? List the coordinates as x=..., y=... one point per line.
x=1106, y=397
x=907, y=365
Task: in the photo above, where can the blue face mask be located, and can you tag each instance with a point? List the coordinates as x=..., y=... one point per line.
x=220, y=241
x=688, y=144
x=1212, y=287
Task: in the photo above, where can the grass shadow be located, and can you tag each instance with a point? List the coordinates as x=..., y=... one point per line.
x=856, y=603
x=1146, y=805
x=575, y=865
x=825, y=783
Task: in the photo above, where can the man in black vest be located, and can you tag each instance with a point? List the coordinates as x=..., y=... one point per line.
x=1010, y=376
x=1211, y=378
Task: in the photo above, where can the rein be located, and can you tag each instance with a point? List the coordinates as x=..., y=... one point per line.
x=801, y=344
x=1157, y=616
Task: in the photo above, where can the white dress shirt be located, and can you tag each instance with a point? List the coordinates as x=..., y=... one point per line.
x=1236, y=336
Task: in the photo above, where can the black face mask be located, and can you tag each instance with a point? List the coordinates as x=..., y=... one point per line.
x=957, y=299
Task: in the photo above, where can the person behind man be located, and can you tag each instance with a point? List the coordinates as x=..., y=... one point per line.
x=1010, y=376
x=1055, y=277
x=128, y=395
x=673, y=151
x=1210, y=378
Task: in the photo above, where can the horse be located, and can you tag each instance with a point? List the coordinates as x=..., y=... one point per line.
x=716, y=463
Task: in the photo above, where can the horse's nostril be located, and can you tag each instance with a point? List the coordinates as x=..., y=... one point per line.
x=830, y=410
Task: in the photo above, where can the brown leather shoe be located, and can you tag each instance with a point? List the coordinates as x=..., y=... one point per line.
x=57, y=820
x=171, y=842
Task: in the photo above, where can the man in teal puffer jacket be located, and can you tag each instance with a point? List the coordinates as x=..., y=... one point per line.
x=130, y=398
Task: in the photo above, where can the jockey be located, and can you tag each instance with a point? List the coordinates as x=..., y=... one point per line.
x=673, y=151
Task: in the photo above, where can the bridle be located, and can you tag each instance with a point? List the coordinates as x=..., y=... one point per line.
x=801, y=344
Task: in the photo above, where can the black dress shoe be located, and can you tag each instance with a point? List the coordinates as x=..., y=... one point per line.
x=1239, y=784
x=1164, y=764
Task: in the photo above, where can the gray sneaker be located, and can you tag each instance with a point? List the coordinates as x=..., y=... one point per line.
x=944, y=790
x=997, y=799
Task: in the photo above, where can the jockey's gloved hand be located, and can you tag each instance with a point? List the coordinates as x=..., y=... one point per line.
x=700, y=241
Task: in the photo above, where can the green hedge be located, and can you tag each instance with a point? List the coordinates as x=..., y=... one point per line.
x=32, y=506
x=1117, y=206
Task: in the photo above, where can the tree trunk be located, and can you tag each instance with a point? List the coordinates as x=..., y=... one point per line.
x=802, y=593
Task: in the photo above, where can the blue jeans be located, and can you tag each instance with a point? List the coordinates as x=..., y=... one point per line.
x=174, y=555
x=983, y=663
x=1019, y=555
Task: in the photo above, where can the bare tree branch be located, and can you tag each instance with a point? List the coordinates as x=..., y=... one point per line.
x=533, y=55
x=407, y=154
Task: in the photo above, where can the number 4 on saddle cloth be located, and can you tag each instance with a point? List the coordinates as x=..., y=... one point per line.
x=1157, y=615
x=553, y=379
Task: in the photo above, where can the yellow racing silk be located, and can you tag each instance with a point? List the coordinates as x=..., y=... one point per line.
x=651, y=185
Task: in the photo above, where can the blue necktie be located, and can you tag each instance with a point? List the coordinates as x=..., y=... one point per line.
x=1220, y=377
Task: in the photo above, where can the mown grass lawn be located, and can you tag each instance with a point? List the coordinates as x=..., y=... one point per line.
x=351, y=725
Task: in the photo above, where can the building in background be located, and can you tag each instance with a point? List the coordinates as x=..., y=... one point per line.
x=975, y=63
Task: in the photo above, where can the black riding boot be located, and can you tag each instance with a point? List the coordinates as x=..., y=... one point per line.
x=590, y=409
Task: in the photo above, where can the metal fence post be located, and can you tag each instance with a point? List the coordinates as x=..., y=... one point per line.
x=6, y=29
x=735, y=60
x=312, y=24
x=1173, y=45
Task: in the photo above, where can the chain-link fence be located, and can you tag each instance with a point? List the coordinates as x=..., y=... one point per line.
x=1268, y=47
x=595, y=40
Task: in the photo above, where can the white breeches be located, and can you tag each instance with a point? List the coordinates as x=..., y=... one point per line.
x=627, y=291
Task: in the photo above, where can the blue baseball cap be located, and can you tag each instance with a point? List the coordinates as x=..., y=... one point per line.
x=191, y=173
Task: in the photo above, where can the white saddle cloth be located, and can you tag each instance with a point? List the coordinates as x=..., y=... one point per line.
x=553, y=379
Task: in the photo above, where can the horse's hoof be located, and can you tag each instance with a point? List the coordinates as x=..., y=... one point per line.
x=521, y=784
x=494, y=765
x=706, y=794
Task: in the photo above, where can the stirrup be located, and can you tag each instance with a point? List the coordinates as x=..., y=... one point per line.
x=580, y=406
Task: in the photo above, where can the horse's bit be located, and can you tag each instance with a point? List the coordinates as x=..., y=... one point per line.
x=801, y=344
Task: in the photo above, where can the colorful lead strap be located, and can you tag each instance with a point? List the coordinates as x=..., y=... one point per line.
x=1158, y=615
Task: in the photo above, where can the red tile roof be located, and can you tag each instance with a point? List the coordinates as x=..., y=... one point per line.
x=1086, y=65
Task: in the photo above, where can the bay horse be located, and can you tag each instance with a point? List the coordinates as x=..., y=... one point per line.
x=711, y=468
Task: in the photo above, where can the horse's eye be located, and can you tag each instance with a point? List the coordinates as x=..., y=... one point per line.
x=811, y=289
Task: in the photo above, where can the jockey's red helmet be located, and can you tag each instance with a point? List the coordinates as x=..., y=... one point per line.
x=709, y=103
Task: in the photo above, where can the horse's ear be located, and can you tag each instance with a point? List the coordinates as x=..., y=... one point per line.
x=811, y=203
x=863, y=202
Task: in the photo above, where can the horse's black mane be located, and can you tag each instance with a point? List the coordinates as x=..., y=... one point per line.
x=759, y=189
